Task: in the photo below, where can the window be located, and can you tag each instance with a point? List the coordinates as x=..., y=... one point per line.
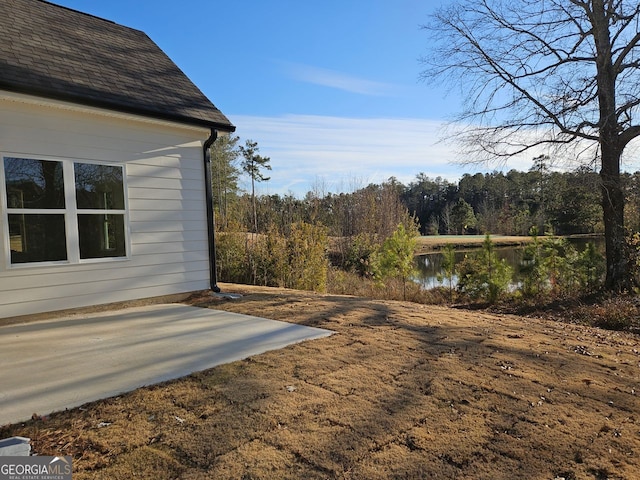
x=63, y=211
x=100, y=202
x=36, y=208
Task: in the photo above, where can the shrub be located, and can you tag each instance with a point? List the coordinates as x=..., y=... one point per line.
x=533, y=272
x=554, y=267
x=396, y=258
x=268, y=260
x=484, y=276
x=559, y=258
x=449, y=270
x=342, y=282
x=633, y=256
x=359, y=255
x=298, y=260
x=306, y=249
x=617, y=313
x=591, y=266
x=231, y=257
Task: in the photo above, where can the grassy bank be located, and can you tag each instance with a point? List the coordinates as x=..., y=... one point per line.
x=432, y=243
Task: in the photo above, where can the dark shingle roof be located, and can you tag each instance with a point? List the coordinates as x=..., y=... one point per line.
x=55, y=52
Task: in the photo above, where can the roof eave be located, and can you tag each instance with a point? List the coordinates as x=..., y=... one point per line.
x=187, y=120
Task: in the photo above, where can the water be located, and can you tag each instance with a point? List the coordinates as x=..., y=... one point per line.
x=429, y=266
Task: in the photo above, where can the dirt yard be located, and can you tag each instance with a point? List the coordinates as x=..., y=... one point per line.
x=399, y=391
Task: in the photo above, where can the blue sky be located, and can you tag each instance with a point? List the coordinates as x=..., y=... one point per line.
x=330, y=90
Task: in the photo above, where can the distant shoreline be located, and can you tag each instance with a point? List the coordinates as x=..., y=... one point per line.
x=431, y=243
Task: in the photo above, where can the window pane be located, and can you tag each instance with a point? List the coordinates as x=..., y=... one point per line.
x=99, y=186
x=37, y=238
x=101, y=236
x=33, y=183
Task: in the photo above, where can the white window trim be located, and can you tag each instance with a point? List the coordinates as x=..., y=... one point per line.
x=71, y=212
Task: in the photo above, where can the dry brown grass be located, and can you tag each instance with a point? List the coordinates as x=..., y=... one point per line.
x=399, y=391
x=436, y=242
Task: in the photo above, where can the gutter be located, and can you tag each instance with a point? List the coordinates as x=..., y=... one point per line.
x=211, y=230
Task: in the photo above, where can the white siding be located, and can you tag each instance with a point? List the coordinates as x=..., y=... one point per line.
x=166, y=200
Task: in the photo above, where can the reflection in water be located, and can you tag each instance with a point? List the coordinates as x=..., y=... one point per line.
x=429, y=266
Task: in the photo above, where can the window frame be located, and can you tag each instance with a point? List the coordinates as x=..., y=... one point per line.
x=70, y=212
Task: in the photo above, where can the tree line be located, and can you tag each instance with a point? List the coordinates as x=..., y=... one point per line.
x=363, y=242
x=560, y=203
x=511, y=203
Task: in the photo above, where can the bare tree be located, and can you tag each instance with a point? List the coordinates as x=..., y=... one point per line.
x=539, y=72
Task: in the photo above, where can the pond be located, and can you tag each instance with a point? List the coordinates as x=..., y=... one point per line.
x=429, y=266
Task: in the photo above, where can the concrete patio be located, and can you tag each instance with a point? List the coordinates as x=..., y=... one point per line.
x=52, y=365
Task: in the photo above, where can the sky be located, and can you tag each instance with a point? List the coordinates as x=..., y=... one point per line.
x=330, y=90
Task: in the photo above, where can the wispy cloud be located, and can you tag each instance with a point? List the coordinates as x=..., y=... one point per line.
x=338, y=80
x=342, y=153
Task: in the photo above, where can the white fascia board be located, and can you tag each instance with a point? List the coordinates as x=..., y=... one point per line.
x=75, y=107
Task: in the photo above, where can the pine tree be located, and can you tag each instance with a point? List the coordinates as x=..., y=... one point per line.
x=224, y=173
x=396, y=257
x=252, y=165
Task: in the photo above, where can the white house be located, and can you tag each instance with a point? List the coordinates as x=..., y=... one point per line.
x=104, y=169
